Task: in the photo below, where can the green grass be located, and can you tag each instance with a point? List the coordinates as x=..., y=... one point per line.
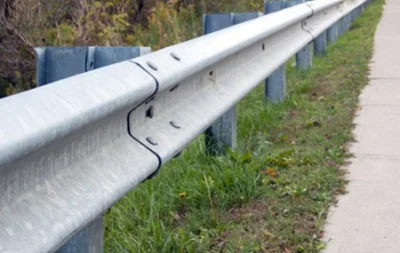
x=272, y=195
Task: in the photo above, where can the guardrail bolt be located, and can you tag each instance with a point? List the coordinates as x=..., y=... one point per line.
x=174, y=124
x=151, y=141
x=175, y=56
x=174, y=88
x=152, y=65
x=212, y=76
x=150, y=112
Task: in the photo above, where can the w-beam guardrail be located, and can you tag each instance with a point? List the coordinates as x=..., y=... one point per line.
x=70, y=150
x=56, y=63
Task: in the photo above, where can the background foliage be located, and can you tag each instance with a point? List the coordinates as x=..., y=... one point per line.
x=25, y=24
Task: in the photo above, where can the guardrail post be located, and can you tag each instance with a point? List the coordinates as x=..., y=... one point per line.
x=359, y=10
x=88, y=240
x=48, y=64
x=56, y=63
x=368, y=2
x=347, y=22
x=245, y=16
x=275, y=85
x=340, y=24
x=223, y=132
x=332, y=33
x=303, y=57
x=320, y=44
x=356, y=12
x=352, y=15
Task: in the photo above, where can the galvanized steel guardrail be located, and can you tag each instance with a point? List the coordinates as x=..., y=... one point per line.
x=70, y=150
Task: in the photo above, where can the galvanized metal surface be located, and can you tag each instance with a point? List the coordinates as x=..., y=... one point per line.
x=66, y=155
x=55, y=63
x=69, y=150
x=223, y=133
x=201, y=98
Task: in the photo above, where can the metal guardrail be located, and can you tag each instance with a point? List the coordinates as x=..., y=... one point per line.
x=70, y=150
x=56, y=63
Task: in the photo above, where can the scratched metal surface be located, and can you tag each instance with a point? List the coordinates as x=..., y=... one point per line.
x=69, y=150
x=67, y=156
x=56, y=63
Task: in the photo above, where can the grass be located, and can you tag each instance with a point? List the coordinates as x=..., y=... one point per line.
x=272, y=195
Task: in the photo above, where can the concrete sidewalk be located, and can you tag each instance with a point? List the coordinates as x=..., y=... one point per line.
x=367, y=219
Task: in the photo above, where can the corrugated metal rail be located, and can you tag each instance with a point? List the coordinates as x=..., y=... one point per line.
x=70, y=150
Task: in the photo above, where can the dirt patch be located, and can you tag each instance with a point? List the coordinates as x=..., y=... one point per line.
x=254, y=210
x=292, y=113
x=319, y=91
